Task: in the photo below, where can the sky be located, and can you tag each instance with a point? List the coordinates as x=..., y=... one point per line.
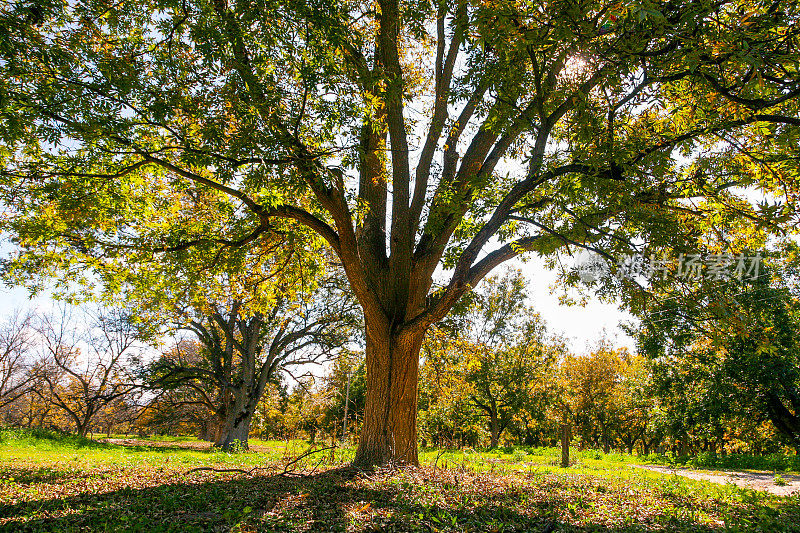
x=17, y=298
x=583, y=325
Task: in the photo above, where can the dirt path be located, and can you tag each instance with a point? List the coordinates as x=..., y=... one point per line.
x=753, y=480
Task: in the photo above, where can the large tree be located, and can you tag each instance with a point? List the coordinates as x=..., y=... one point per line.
x=408, y=135
x=242, y=352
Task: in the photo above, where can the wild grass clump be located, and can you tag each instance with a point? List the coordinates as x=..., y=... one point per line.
x=731, y=461
x=47, y=438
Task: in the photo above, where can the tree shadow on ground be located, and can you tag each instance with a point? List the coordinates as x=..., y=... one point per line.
x=336, y=500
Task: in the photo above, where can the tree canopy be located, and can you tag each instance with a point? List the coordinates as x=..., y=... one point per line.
x=408, y=136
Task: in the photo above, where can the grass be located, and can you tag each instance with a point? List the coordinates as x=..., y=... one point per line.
x=45, y=446
x=53, y=482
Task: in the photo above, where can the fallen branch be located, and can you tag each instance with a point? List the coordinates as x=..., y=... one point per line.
x=286, y=469
x=227, y=470
x=303, y=456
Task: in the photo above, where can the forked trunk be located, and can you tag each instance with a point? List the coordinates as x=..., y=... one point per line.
x=389, y=434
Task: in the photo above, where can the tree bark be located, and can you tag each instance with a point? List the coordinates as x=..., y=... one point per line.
x=235, y=426
x=783, y=419
x=235, y=431
x=494, y=424
x=565, y=438
x=218, y=429
x=389, y=434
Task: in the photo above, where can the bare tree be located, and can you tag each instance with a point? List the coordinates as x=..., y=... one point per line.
x=84, y=367
x=16, y=342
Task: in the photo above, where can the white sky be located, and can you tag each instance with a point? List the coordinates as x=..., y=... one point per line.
x=18, y=298
x=584, y=324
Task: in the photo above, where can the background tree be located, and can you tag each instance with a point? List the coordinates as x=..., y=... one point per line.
x=306, y=411
x=270, y=420
x=241, y=352
x=538, y=420
x=447, y=417
x=119, y=414
x=36, y=408
x=495, y=369
x=345, y=383
x=16, y=344
x=632, y=405
x=83, y=383
x=729, y=349
x=509, y=352
x=184, y=409
x=544, y=126
x=491, y=354
x=589, y=384
x=266, y=311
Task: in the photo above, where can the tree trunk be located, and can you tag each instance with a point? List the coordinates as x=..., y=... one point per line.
x=389, y=433
x=81, y=425
x=784, y=420
x=683, y=448
x=219, y=429
x=206, y=432
x=565, y=438
x=495, y=430
x=235, y=430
